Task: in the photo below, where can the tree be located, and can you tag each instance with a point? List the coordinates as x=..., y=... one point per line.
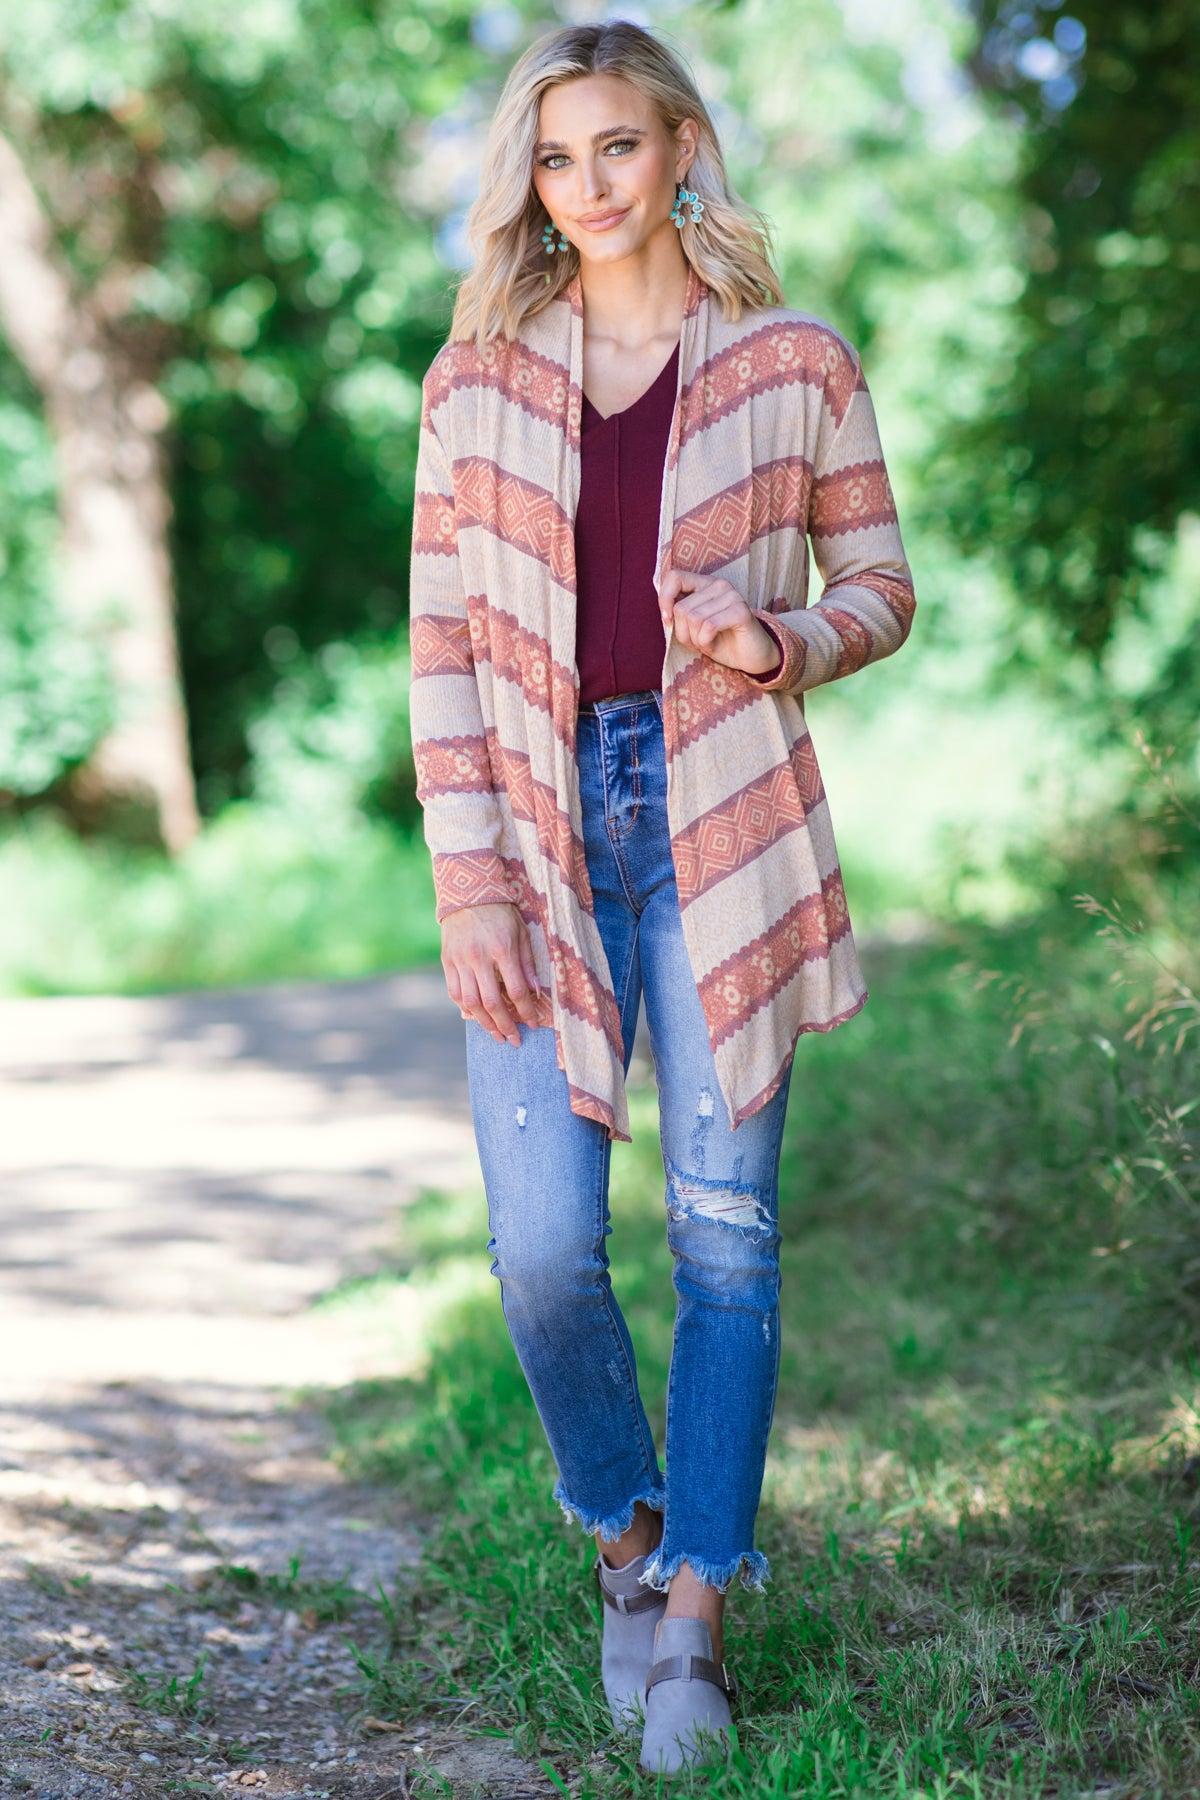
x=106, y=415
x=218, y=273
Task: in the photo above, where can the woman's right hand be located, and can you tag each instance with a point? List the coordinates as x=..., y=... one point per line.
x=490, y=971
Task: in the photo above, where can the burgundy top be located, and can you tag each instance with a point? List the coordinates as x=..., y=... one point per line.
x=619, y=639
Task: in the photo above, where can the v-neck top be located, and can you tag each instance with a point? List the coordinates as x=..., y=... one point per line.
x=619, y=640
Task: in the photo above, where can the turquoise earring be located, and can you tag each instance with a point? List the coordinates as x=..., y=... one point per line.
x=548, y=240
x=684, y=198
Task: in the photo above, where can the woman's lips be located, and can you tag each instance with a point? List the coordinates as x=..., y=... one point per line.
x=606, y=223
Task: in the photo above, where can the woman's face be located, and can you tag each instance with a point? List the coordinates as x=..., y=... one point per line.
x=603, y=150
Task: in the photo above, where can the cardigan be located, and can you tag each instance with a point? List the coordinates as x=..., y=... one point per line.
x=618, y=646
x=773, y=441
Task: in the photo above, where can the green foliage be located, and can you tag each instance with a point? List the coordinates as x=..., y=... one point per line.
x=54, y=683
x=57, y=701
x=335, y=742
x=1078, y=469
x=320, y=1599
x=259, y=896
x=262, y=199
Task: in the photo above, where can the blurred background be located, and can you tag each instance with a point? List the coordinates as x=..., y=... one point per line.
x=228, y=241
x=229, y=235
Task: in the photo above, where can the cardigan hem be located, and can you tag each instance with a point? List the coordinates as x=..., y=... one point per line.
x=772, y=1087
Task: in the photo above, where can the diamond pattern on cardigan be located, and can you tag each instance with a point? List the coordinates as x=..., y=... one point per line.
x=746, y=824
x=773, y=497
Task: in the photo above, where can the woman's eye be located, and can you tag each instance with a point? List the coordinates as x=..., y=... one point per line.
x=547, y=162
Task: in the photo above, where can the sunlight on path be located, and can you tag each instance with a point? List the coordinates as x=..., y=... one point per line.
x=185, y=1179
x=184, y=1174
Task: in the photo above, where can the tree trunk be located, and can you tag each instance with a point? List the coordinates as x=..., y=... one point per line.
x=116, y=578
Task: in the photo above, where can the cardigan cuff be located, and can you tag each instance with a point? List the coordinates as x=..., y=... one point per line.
x=766, y=674
x=788, y=670
x=468, y=878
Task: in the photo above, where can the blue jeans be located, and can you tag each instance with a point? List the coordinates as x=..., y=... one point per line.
x=546, y=1173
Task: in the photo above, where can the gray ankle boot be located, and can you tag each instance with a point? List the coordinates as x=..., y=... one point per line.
x=631, y=1611
x=687, y=1694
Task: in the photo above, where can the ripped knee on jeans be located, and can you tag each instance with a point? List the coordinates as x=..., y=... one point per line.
x=728, y=1203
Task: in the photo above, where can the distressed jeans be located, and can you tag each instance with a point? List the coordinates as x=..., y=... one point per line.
x=546, y=1174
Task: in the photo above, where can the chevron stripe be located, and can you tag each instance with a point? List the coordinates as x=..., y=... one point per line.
x=517, y=511
x=433, y=525
x=537, y=384
x=524, y=657
x=896, y=593
x=590, y=1106
x=495, y=690
x=703, y=695
x=773, y=497
x=729, y=836
x=440, y=644
x=764, y=1094
x=468, y=878
x=857, y=643
x=790, y=672
x=734, y=991
x=776, y=355
x=537, y=802
x=581, y=990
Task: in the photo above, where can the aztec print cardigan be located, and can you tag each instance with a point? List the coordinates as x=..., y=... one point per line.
x=773, y=436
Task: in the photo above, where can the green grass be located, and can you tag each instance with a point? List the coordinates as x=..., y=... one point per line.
x=981, y=1503
x=983, y=1494
x=167, y=1695
x=226, y=1585
x=258, y=897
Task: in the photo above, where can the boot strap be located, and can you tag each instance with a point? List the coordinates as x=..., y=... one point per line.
x=627, y=1603
x=688, y=1666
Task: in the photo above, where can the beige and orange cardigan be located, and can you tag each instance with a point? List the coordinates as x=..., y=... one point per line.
x=773, y=437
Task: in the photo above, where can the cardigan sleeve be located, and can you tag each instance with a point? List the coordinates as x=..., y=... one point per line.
x=867, y=603
x=460, y=812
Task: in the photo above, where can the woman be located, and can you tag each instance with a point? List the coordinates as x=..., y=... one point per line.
x=622, y=447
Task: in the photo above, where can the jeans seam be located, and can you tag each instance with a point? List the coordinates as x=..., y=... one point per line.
x=615, y=842
x=648, y=1451
x=603, y=751
x=633, y=948
x=773, y=1379
x=624, y=874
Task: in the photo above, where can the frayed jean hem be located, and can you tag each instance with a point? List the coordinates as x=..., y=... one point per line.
x=754, y=1568
x=613, y=1525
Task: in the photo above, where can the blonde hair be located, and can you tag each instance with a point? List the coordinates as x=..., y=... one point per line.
x=729, y=247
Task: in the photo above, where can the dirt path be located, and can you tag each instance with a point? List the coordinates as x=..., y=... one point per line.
x=183, y=1177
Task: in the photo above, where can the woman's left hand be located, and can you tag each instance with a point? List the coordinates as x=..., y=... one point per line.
x=710, y=615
